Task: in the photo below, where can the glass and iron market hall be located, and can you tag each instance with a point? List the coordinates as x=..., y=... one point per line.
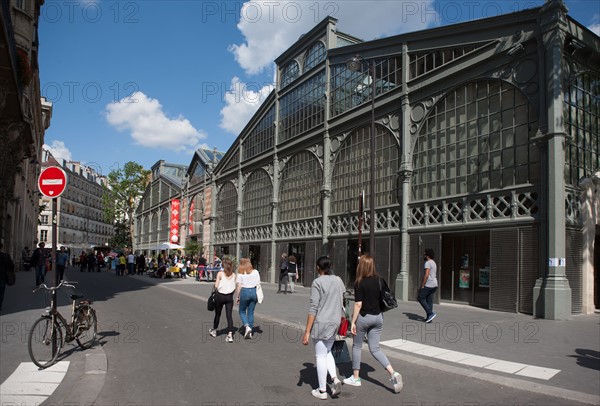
x=486, y=150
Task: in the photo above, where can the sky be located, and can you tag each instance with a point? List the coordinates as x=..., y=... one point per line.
x=148, y=80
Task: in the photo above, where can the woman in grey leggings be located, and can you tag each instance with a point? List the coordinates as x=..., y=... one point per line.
x=367, y=318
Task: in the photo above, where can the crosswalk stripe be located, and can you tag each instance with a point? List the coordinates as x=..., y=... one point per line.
x=29, y=385
x=478, y=361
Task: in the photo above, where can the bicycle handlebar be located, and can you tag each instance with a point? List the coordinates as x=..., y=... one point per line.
x=66, y=284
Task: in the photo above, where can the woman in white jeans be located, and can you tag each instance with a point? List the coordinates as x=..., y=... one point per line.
x=322, y=323
x=367, y=318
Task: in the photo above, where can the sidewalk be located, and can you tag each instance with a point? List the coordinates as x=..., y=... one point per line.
x=558, y=358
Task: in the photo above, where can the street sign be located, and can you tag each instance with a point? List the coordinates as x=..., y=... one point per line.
x=52, y=181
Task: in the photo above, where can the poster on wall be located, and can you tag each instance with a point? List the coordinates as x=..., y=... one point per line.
x=484, y=277
x=465, y=279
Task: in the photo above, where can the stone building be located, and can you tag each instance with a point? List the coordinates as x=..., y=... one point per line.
x=486, y=150
x=24, y=117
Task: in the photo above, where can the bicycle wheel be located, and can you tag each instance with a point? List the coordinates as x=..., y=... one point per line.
x=86, y=326
x=44, y=342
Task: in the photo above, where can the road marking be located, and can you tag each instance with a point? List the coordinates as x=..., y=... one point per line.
x=29, y=385
x=478, y=361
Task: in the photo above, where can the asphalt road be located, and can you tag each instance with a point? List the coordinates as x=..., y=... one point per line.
x=155, y=341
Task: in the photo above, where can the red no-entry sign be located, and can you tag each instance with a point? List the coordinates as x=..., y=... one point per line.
x=52, y=181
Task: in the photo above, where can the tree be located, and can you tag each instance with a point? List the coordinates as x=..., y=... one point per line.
x=192, y=247
x=122, y=238
x=123, y=193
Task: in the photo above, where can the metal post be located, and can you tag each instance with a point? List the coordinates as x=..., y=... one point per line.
x=372, y=221
x=54, y=246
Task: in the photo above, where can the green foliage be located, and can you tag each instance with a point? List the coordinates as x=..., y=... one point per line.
x=192, y=247
x=122, y=238
x=121, y=197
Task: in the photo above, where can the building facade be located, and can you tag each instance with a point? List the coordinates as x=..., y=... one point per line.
x=177, y=204
x=24, y=117
x=154, y=212
x=81, y=224
x=484, y=132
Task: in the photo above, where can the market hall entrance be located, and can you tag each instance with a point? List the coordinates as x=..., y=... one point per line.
x=465, y=268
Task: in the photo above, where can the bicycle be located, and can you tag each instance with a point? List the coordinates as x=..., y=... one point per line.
x=45, y=339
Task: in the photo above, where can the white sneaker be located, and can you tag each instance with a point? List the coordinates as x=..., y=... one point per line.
x=319, y=395
x=336, y=388
x=352, y=382
x=248, y=333
x=212, y=332
x=397, y=382
x=229, y=338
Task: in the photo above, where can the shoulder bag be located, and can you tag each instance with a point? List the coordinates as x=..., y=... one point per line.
x=211, y=304
x=387, y=300
x=260, y=295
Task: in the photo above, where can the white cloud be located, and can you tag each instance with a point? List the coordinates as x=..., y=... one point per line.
x=242, y=101
x=149, y=126
x=595, y=26
x=59, y=150
x=269, y=27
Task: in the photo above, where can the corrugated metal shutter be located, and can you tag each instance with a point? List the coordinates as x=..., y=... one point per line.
x=529, y=243
x=340, y=261
x=574, y=249
x=414, y=259
x=504, y=269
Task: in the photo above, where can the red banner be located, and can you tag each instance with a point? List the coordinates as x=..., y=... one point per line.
x=191, y=218
x=174, y=233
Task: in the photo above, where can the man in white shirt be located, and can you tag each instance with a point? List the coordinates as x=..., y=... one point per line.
x=130, y=264
x=429, y=285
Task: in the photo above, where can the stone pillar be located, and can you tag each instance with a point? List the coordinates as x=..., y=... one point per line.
x=273, y=277
x=405, y=174
x=326, y=191
x=552, y=292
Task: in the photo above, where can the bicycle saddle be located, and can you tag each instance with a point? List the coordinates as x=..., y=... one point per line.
x=75, y=297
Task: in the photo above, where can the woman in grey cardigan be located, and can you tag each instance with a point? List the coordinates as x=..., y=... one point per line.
x=322, y=323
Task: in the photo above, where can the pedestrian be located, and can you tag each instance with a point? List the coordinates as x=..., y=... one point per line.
x=25, y=259
x=429, y=285
x=7, y=266
x=367, y=319
x=225, y=284
x=82, y=261
x=283, y=273
x=130, y=264
x=292, y=272
x=113, y=264
x=141, y=264
x=121, y=265
x=247, y=281
x=91, y=262
x=38, y=259
x=322, y=323
x=61, y=262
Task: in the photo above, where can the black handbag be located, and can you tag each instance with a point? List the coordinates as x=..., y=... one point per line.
x=211, y=304
x=387, y=300
x=340, y=352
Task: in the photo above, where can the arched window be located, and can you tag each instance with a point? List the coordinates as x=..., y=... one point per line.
x=351, y=171
x=289, y=73
x=314, y=56
x=301, y=181
x=477, y=138
x=197, y=220
x=227, y=207
x=582, y=116
x=164, y=225
x=258, y=191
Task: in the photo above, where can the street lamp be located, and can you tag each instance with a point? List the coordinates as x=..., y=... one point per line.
x=355, y=64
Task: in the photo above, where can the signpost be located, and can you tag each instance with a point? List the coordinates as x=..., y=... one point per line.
x=52, y=183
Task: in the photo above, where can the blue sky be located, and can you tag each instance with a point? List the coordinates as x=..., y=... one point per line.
x=155, y=79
